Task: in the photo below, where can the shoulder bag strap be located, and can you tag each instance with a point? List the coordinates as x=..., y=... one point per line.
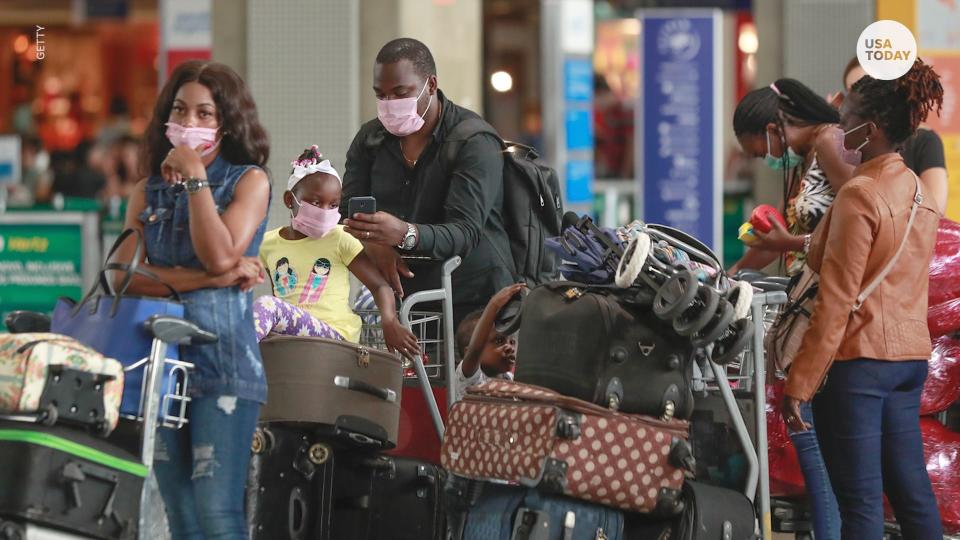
x=917, y=199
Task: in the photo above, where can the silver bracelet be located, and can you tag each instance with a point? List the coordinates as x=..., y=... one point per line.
x=806, y=243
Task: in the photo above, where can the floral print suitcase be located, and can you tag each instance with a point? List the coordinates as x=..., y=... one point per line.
x=40, y=371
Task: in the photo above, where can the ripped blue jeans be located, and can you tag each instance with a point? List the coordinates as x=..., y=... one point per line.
x=202, y=469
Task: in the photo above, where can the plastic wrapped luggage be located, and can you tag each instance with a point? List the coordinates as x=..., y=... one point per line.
x=537, y=438
x=57, y=379
x=592, y=344
x=63, y=478
x=352, y=389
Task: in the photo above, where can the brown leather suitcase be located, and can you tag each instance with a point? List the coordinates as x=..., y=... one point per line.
x=536, y=437
x=352, y=389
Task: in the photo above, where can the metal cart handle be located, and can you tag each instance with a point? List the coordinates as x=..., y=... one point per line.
x=444, y=294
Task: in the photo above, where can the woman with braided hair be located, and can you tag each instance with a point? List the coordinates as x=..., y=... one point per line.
x=802, y=130
x=757, y=125
x=863, y=359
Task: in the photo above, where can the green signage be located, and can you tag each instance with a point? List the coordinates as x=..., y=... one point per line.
x=38, y=264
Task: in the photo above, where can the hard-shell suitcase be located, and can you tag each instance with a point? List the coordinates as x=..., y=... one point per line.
x=517, y=513
x=379, y=497
x=709, y=513
x=533, y=436
x=595, y=344
x=354, y=390
x=57, y=379
x=62, y=478
x=289, y=484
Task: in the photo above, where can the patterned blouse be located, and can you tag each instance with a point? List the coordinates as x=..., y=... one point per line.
x=806, y=209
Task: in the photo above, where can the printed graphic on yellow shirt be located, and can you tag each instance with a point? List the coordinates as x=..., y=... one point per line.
x=316, y=282
x=284, y=278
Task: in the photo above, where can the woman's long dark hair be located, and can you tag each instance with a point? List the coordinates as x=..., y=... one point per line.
x=244, y=141
x=899, y=106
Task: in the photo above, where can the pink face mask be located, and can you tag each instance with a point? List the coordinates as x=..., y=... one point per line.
x=314, y=221
x=192, y=136
x=399, y=116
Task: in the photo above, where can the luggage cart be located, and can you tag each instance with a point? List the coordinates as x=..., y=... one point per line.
x=434, y=331
x=750, y=375
x=166, y=331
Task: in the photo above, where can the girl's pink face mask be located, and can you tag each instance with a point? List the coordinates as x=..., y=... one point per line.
x=314, y=221
x=192, y=136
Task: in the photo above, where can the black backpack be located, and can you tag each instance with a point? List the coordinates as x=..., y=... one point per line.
x=532, y=208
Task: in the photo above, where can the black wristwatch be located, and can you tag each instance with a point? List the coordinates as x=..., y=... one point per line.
x=410, y=239
x=194, y=185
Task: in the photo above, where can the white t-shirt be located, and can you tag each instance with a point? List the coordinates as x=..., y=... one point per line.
x=479, y=377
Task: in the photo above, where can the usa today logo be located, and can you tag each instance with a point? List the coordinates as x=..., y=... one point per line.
x=886, y=50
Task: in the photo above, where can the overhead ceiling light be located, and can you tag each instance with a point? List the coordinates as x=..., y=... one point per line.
x=501, y=81
x=748, y=41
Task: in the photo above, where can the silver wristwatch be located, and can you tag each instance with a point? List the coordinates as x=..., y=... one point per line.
x=410, y=239
x=194, y=185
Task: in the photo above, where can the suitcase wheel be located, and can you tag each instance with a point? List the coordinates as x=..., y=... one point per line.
x=698, y=315
x=262, y=441
x=319, y=453
x=633, y=260
x=50, y=415
x=740, y=294
x=733, y=341
x=11, y=531
x=675, y=295
x=716, y=327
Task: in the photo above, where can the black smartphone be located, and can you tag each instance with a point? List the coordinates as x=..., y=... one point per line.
x=362, y=205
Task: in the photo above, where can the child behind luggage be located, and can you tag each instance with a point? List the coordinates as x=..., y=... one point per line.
x=309, y=262
x=486, y=353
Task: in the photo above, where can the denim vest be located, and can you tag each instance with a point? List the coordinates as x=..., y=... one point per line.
x=231, y=366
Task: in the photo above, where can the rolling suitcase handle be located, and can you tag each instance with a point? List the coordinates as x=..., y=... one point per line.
x=385, y=394
x=444, y=294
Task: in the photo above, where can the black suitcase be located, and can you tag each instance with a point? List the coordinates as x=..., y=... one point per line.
x=289, y=484
x=710, y=513
x=604, y=345
x=66, y=479
x=388, y=498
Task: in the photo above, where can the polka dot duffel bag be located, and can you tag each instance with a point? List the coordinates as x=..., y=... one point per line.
x=535, y=437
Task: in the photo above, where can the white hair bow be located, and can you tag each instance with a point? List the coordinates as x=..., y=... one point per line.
x=304, y=168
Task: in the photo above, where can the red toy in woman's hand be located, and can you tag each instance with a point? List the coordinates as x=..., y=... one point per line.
x=761, y=216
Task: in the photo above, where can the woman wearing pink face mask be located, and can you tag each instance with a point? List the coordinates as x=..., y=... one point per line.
x=317, y=256
x=203, y=212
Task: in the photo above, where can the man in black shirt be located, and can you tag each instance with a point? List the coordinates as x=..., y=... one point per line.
x=427, y=207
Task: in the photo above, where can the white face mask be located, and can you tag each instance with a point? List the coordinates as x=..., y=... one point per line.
x=852, y=157
x=399, y=116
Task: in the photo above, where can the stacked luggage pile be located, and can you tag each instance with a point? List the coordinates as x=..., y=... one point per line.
x=345, y=447
x=76, y=430
x=591, y=441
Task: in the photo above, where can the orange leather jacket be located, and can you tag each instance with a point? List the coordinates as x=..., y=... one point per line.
x=852, y=244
